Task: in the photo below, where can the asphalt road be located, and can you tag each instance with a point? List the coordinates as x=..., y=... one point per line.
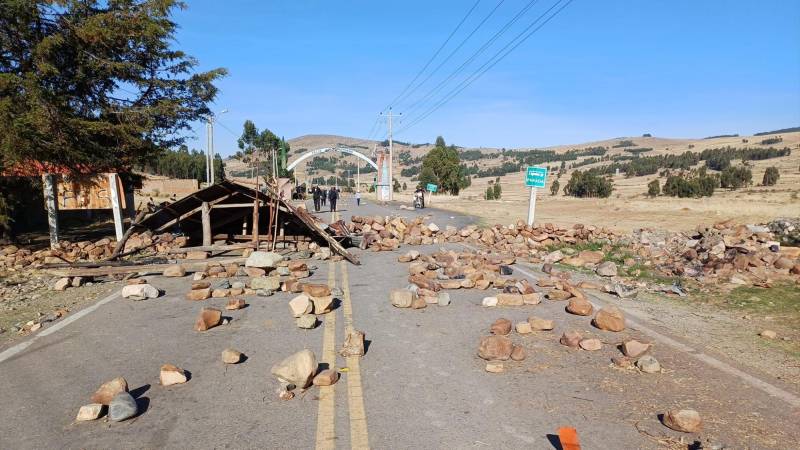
x=420, y=385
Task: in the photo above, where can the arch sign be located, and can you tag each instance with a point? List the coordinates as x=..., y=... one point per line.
x=320, y=151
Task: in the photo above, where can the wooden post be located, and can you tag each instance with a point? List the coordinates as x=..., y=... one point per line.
x=49, y=188
x=116, y=208
x=255, y=204
x=206, y=218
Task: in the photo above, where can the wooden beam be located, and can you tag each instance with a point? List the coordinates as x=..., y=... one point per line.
x=212, y=248
x=233, y=205
x=206, y=216
x=189, y=265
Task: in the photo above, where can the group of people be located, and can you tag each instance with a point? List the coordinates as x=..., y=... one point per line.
x=323, y=196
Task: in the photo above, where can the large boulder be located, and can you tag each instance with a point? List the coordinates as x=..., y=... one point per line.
x=297, y=369
x=495, y=348
x=301, y=305
x=579, y=306
x=122, y=406
x=607, y=269
x=609, y=318
x=263, y=260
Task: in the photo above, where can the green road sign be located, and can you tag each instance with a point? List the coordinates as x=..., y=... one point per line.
x=431, y=187
x=535, y=177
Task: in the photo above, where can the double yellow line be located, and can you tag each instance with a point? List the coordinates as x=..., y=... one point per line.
x=326, y=430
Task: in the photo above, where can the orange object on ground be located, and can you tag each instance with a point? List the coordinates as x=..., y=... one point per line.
x=569, y=438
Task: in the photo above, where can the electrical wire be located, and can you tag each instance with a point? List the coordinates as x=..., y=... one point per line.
x=499, y=56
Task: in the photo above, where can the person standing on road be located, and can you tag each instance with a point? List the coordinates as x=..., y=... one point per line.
x=358, y=198
x=316, y=195
x=333, y=195
x=323, y=196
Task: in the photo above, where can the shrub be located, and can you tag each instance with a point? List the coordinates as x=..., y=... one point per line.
x=554, y=187
x=702, y=185
x=771, y=176
x=489, y=195
x=588, y=184
x=736, y=177
x=498, y=191
x=653, y=188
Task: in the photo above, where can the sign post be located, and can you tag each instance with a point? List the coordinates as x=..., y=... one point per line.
x=430, y=187
x=535, y=178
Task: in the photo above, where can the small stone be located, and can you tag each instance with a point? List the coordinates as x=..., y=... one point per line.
x=495, y=367
x=36, y=327
x=571, y=339
x=322, y=305
x=77, y=281
x=489, y=301
x=297, y=369
x=198, y=294
x=684, y=420
x=234, y=304
x=401, y=298
x=523, y=328
x=209, y=318
x=139, y=291
x=634, y=349
x=622, y=361
x=532, y=299
x=285, y=395
x=306, y=321
x=609, y=318
x=326, y=377
x=108, y=390
x=92, y=411
x=518, y=353
x=579, y=306
x=300, y=305
x=62, y=284
x=607, y=269
x=768, y=334
x=500, y=327
x=201, y=285
x=238, y=285
x=558, y=294
x=231, y=356
x=419, y=303
x=175, y=270
x=316, y=290
x=172, y=375
x=504, y=299
x=648, y=364
x=353, y=344
x=270, y=283
x=443, y=299
x=197, y=276
x=539, y=324
x=122, y=407
x=495, y=348
x=220, y=293
x=591, y=344
x=254, y=272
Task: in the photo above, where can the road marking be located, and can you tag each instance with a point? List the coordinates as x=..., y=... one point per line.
x=326, y=430
x=762, y=385
x=359, y=438
x=15, y=350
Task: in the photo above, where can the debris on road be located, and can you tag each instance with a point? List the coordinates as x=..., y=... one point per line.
x=139, y=291
x=92, y=411
x=495, y=367
x=326, y=377
x=495, y=348
x=500, y=327
x=209, y=318
x=571, y=339
x=648, y=364
x=235, y=303
x=609, y=318
x=306, y=321
x=591, y=344
x=123, y=406
x=353, y=344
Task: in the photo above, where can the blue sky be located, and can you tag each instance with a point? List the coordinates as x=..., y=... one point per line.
x=600, y=69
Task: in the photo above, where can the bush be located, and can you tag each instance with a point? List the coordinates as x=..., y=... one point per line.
x=770, y=141
x=498, y=191
x=489, y=195
x=554, y=187
x=653, y=188
x=588, y=184
x=702, y=185
x=736, y=177
x=771, y=176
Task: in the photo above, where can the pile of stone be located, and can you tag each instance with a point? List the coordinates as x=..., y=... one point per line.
x=381, y=233
x=300, y=371
x=12, y=256
x=725, y=252
x=315, y=300
x=498, y=347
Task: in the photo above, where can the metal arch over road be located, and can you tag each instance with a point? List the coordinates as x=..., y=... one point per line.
x=320, y=151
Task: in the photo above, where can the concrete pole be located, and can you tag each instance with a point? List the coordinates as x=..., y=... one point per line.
x=391, y=185
x=531, y=206
x=115, y=205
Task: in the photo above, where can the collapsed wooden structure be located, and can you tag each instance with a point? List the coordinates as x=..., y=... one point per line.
x=233, y=212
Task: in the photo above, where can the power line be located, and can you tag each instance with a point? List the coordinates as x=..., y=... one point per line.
x=416, y=105
x=455, y=50
x=490, y=63
x=441, y=47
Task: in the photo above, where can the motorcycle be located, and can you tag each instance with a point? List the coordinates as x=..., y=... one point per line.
x=418, y=200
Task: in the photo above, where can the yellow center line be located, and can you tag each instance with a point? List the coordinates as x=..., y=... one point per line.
x=326, y=431
x=359, y=438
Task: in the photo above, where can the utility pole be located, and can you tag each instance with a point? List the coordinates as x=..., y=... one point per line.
x=389, y=115
x=210, y=148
